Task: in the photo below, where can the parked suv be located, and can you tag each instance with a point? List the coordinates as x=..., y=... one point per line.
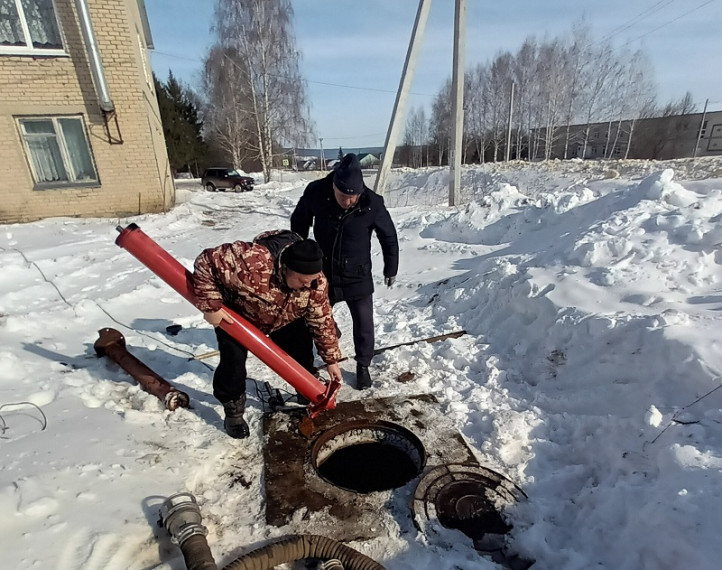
x=225, y=179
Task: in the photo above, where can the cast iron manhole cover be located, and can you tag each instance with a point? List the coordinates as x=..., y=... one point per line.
x=467, y=497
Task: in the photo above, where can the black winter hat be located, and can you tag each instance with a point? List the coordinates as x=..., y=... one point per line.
x=348, y=178
x=303, y=257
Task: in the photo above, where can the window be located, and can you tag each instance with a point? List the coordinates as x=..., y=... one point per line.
x=58, y=151
x=715, y=140
x=29, y=26
x=144, y=61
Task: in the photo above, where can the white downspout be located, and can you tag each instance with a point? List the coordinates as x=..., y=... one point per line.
x=96, y=64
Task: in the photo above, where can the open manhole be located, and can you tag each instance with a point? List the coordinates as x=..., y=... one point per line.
x=367, y=456
x=467, y=497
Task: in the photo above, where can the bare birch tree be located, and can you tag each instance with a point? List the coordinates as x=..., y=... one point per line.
x=526, y=89
x=496, y=95
x=256, y=95
x=634, y=93
x=475, y=118
x=577, y=58
x=563, y=87
x=598, y=95
x=440, y=121
x=415, y=136
x=227, y=120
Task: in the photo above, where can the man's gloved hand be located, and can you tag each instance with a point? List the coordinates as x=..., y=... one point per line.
x=390, y=280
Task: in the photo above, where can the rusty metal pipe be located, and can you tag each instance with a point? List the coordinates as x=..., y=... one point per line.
x=111, y=343
x=165, y=266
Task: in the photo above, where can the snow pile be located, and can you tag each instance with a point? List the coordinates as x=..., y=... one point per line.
x=588, y=374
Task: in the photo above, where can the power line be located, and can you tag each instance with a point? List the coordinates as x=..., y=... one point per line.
x=354, y=138
x=365, y=88
x=638, y=18
x=687, y=13
x=328, y=84
x=177, y=56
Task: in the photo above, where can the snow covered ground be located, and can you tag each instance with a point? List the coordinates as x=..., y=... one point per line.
x=591, y=293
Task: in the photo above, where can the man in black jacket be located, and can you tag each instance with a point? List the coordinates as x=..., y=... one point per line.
x=344, y=213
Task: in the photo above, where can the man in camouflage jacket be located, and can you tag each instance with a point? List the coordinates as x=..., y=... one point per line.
x=277, y=284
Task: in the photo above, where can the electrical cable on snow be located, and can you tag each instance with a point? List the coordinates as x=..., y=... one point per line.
x=181, y=350
x=674, y=417
x=4, y=426
x=111, y=317
x=49, y=281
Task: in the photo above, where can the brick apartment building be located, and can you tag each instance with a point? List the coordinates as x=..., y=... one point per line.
x=80, y=131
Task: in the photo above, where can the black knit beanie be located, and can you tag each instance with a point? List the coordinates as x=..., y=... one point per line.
x=348, y=177
x=303, y=257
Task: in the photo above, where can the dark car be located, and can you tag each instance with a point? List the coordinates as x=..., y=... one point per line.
x=225, y=179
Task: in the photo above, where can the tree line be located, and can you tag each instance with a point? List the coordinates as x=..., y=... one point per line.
x=252, y=102
x=520, y=105
x=523, y=105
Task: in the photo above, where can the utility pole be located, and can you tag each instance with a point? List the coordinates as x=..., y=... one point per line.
x=323, y=157
x=457, y=108
x=397, y=115
x=701, y=127
x=508, y=129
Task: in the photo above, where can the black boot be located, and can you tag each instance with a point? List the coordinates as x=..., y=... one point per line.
x=234, y=423
x=363, y=378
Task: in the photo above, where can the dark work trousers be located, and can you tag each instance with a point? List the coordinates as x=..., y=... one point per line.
x=229, y=379
x=362, y=316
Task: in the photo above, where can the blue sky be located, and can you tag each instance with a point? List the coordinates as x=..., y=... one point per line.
x=353, y=52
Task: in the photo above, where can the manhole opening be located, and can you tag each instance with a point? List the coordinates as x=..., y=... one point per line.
x=367, y=456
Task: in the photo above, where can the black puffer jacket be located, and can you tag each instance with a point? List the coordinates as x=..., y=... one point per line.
x=345, y=237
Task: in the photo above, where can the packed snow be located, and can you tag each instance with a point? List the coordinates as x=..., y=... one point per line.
x=591, y=295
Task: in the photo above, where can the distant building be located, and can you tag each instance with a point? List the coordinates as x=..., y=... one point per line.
x=660, y=138
x=310, y=158
x=80, y=131
x=369, y=160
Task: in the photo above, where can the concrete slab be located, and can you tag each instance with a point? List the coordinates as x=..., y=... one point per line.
x=298, y=497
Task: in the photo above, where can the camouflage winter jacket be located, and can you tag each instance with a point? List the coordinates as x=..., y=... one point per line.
x=245, y=277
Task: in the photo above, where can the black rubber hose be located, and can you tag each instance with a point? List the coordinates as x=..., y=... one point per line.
x=303, y=546
x=197, y=553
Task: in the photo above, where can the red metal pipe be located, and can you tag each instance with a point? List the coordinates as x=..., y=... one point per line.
x=111, y=343
x=165, y=266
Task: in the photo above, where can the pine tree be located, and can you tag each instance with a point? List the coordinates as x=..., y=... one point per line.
x=181, y=126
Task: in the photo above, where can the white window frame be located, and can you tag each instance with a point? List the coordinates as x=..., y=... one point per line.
x=64, y=153
x=144, y=60
x=28, y=48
